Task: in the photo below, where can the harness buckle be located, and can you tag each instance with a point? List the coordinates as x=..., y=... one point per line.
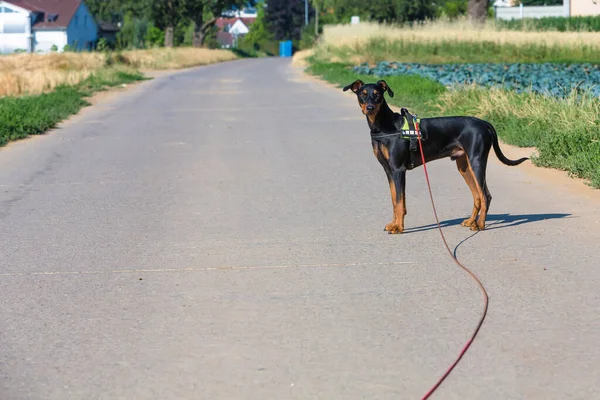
x=414, y=144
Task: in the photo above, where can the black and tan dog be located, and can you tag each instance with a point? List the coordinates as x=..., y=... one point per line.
x=467, y=140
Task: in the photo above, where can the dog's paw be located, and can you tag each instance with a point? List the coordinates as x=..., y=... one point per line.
x=477, y=227
x=469, y=223
x=393, y=228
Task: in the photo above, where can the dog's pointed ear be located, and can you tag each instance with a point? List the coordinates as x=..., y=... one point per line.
x=385, y=87
x=355, y=86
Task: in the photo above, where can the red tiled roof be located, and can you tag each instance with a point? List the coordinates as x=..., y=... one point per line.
x=22, y=4
x=221, y=22
x=248, y=21
x=65, y=9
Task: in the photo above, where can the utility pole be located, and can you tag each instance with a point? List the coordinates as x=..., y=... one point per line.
x=305, y=12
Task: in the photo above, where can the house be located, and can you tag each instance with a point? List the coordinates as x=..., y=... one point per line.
x=583, y=7
x=46, y=25
x=232, y=29
x=108, y=32
x=225, y=40
x=504, y=3
x=507, y=9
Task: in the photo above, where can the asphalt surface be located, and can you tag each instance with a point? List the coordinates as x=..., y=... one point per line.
x=218, y=234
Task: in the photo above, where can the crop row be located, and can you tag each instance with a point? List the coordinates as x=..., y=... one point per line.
x=557, y=80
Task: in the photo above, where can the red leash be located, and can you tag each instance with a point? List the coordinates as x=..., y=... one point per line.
x=485, y=295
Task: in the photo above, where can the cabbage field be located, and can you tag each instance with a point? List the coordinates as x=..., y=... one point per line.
x=556, y=80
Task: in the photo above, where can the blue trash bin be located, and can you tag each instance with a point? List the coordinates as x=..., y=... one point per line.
x=285, y=48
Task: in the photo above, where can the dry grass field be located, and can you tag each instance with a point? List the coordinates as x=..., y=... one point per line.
x=22, y=74
x=458, y=41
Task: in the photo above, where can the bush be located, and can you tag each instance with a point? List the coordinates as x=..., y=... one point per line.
x=102, y=45
x=260, y=37
x=155, y=37
x=453, y=9
x=133, y=33
x=210, y=40
x=561, y=24
x=308, y=37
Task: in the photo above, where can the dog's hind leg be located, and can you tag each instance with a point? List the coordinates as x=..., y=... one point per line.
x=462, y=163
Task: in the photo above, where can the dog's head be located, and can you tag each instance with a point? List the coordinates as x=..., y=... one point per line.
x=370, y=95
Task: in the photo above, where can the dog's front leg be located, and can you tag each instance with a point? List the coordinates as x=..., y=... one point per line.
x=393, y=192
x=398, y=191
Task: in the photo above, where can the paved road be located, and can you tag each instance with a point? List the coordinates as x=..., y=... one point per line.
x=217, y=234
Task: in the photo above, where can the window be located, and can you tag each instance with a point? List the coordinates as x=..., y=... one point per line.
x=14, y=27
x=6, y=10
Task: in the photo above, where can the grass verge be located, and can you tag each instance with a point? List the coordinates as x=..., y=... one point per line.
x=565, y=132
x=35, y=114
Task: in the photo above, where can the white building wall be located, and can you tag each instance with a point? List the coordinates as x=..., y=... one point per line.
x=530, y=12
x=585, y=7
x=44, y=40
x=15, y=29
x=238, y=28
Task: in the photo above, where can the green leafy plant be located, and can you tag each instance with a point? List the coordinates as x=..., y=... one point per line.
x=102, y=45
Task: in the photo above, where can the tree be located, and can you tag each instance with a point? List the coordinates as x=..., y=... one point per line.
x=204, y=13
x=259, y=34
x=477, y=10
x=115, y=10
x=452, y=8
x=391, y=11
x=166, y=15
x=400, y=10
x=285, y=18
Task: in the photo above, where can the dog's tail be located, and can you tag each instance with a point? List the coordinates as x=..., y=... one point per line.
x=499, y=153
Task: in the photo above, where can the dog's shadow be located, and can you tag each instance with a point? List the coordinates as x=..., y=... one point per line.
x=495, y=221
